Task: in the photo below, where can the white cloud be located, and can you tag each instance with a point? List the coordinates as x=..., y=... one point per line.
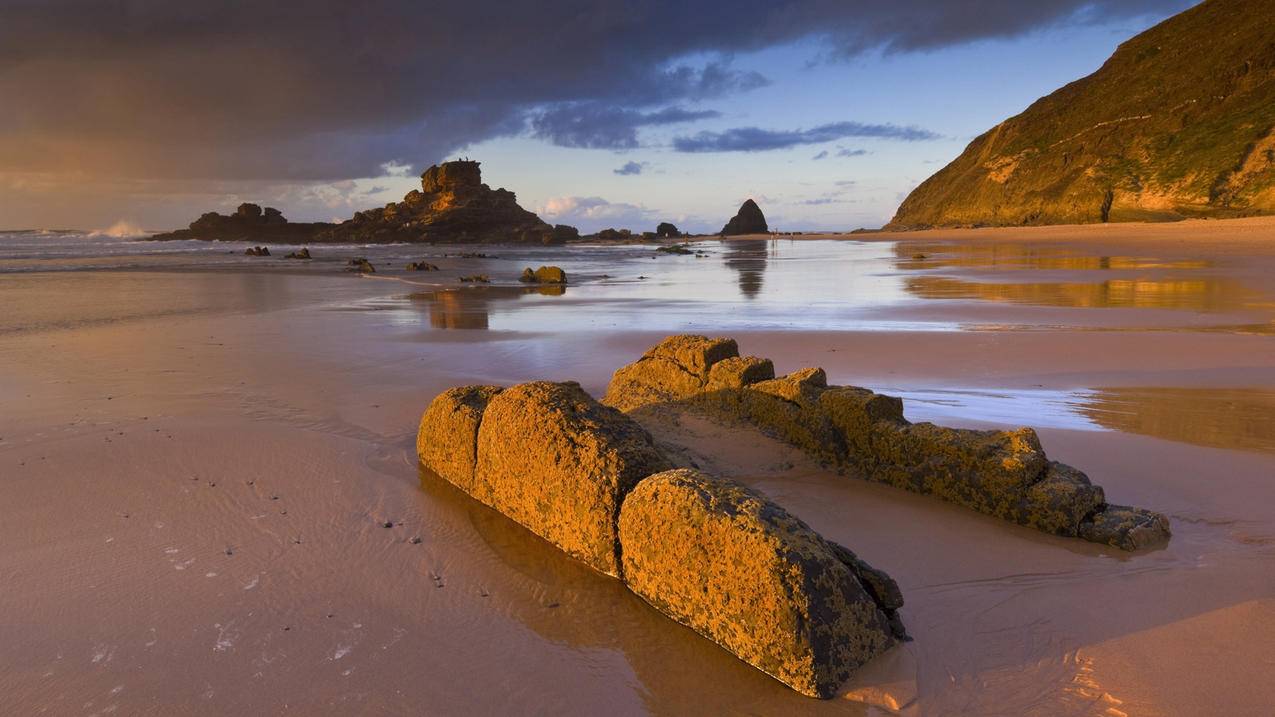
x=590, y=214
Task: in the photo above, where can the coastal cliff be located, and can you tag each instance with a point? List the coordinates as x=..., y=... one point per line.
x=452, y=205
x=1179, y=122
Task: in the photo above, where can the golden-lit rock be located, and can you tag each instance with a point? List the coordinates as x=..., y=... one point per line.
x=676, y=368
x=447, y=442
x=737, y=372
x=1005, y=474
x=552, y=458
x=544, y=275
x=738, y=569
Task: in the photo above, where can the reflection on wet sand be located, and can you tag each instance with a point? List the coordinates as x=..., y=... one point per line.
x=915, y=255
x=471, y=308
x=1242, y=419
x=748, y=257
x=1202, y=294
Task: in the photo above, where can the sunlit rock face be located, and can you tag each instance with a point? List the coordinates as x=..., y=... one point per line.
x=452, y=206
x=545, y=454
x=706, y=551
x=737, y=568
x=1005, y=474
x=448, y=438
x=1177, y=123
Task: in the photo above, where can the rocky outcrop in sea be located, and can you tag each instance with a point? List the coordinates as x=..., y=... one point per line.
x=748, y=220
x=452, y=206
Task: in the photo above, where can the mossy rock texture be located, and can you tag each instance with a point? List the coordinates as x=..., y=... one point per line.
x=677, y=367
x=555, y=460
x=447, y=442
x=738, y=569
x=1005, y=474
x=1124, y=527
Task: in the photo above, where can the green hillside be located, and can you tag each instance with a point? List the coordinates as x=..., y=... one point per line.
x=1179, y=122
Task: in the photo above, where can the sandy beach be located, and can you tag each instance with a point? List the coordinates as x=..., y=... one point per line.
x=199, y=453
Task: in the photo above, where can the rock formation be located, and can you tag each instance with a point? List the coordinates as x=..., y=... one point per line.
x=545, y=454
x=544, y=275
x=257, y=251
x=452, y=206
x=248, y=223
x=748, y=220
x=738, y=569
x=1177, y=123
x=303, y=254
x=360, y=265
x=705, y=551
x=1000, y=473
x=666, y=230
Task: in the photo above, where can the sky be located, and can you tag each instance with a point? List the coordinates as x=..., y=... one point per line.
x=617, y=113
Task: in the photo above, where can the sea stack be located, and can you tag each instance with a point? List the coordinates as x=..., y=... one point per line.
x=453, y=206
x=748, y=220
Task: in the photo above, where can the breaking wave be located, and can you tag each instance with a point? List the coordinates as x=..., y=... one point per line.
x=123, y=229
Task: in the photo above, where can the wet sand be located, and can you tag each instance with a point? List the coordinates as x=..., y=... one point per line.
x=196, y=468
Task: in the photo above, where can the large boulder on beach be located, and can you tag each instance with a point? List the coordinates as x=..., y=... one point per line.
x=447, y=442
x=748, y=220
x=738, y=569
x=544, y=275
x=667, y=230
x=678, y=367
x=560, y=463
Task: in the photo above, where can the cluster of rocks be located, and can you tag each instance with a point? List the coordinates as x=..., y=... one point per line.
x=664, y=230
x=421, y=266
x=544, y=275
x=1005, y=474
x=676, y=249
x=476, y=279
x=303, y=254
x=452, y=205
x=257, y=251
x=249, y=223
x=748, y=220
x=708, y=552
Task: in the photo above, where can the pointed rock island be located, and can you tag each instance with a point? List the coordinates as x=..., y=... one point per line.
x=748, y=220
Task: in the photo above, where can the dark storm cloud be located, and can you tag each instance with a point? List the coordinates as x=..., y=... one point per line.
x=594, y=125
x=630, y=168
x=755, y=139
x=329, y=89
